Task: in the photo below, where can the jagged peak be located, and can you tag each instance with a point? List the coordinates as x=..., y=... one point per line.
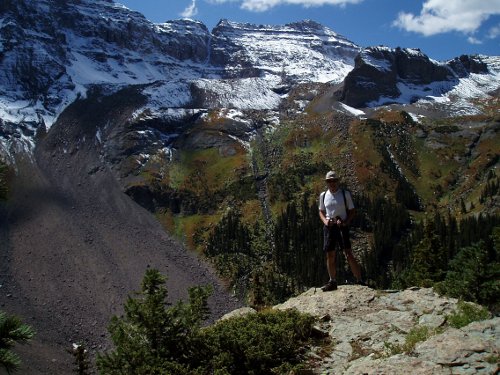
x=308, y=25
x=381, y=49
x=183, y=25
x=304, y=25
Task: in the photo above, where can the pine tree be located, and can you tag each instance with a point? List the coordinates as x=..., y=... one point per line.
x=12, y=331
x=154, y=339
x=428, y=261
x=473, y=276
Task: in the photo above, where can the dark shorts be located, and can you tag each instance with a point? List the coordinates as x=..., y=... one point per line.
x=335, y=235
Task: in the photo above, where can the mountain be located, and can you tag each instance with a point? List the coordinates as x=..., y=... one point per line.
x=384, y=76
x=221, y=138
x=53, y=52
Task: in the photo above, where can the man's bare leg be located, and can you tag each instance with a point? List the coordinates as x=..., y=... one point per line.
x=353, y=263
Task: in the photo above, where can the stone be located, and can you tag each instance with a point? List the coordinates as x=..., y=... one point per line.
x=239, y=312
x=368, y=327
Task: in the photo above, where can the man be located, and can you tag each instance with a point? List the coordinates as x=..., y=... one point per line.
x=336, y=210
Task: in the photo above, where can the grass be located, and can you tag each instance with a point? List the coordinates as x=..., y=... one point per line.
x=251, y=211
x=191, y=229
x=467, y=313
x=417, y=334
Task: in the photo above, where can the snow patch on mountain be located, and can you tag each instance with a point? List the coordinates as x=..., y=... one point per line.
x=248, y=93
x=303, y=52
x=56, y=51
x=351, y=110
x=167, y=94
x=456, y=94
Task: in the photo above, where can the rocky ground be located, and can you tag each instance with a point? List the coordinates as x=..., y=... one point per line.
x=367, y=326
x=73, y=246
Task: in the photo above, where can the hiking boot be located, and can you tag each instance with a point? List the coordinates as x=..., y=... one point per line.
x=331, y=285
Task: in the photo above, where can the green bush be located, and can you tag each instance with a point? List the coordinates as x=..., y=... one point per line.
x=153, y=339
x=262, y=343
x=466, y=314
x=417, y=334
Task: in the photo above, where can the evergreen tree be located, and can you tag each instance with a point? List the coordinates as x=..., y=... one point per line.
x=389, y=222
x=474, y=274
x=12, y=331
x=428, y=261
x=151, y=339
x=462, y=257
x=468, y=273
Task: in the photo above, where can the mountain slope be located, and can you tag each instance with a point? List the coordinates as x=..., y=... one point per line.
x=73, y=246
x=383, y=76
x=62, y=49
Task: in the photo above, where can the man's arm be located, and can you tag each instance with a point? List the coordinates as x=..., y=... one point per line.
x=322, y=216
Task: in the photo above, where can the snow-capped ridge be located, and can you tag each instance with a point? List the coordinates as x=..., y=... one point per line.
x=53, y=51
x=67, y=47
x=384, y=75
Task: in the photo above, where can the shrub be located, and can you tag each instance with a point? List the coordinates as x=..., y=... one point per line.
x=415, y=335
x=262, y=343
x=466, y=314
x=153, y=339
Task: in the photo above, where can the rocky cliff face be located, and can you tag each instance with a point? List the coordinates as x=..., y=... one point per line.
x=53, y=52
x=366, y=326
x=383, y=76
x=296, y=52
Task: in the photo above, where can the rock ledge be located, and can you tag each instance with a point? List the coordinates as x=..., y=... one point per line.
x=364, y=324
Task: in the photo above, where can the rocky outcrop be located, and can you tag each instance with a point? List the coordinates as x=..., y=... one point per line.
x=383, y=76
x=366, y=326
x=464, y=65
x=379, y=71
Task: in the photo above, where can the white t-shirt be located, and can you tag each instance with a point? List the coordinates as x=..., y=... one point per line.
x=334, y=204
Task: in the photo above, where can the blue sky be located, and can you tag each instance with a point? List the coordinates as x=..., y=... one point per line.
x=442, y=29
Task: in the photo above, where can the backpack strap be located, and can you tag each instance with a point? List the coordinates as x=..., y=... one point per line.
x=345, y=201
x=343, y=194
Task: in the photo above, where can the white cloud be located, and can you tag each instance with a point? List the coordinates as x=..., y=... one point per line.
x=221, y=1
x=441, y=16
x=190, y=11
x=494, y=32
x=473, y=40
x=263, y=5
